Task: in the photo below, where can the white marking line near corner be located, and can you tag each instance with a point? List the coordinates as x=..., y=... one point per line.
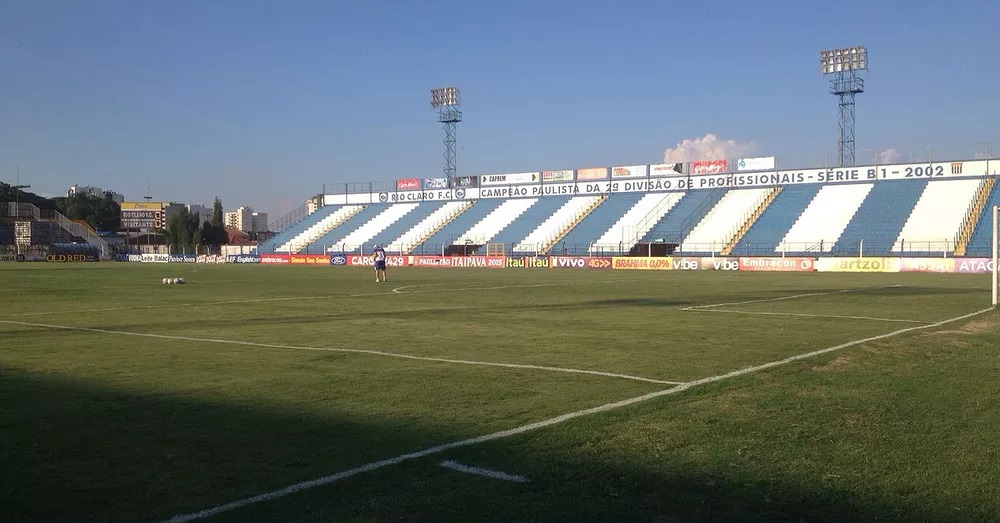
x=806, y=315
x=495, y=474
x=333, y=478
x=783, y=298
x=523, y=366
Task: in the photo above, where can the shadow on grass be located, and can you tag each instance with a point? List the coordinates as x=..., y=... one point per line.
x=81, y=452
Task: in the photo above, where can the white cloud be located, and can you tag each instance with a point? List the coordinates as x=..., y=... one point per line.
x=889, y=155
x=708, y=147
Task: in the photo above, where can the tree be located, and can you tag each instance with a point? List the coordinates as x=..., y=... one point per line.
x=214, y=231
x=101, y=212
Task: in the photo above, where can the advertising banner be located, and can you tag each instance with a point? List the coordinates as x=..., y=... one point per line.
x=709, y=167
x=71, y=258
x=974, y=265
x=355, y=260
x=777, y=264
x=489, y=262
x=141, y=206
x=857, y=265
x=536, y=262
x=579, y=262
x=706, y=264
x=155, y=258
x=557, y=176
x=275, y=259
x=182, y=258
x=435, y=183
x=408, y=184
x=242, y=258
x=927, y=264
x=338, y=259
x=211, y=258
x=763, y=163
x=643, y=264
x=508, y=179
x=128, y=257
x=465, y=181
x=7, y=258
x=633, y=171
x=309, y=259
x=592, y=173
x=666, y=169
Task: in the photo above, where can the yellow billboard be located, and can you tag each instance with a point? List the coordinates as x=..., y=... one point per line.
x=142, y=206
x=643, y=264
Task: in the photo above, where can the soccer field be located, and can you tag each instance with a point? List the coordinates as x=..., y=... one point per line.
x=257, y=393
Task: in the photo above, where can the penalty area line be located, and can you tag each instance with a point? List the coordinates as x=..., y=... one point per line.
x=783, y=298
x=367, y=352
x=333, y=478
x=806, y=315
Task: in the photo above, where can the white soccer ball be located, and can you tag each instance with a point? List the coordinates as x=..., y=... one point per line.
x=180, y=280
x=165, y=281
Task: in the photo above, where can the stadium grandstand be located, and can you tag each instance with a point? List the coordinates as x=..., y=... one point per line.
x=935, y=209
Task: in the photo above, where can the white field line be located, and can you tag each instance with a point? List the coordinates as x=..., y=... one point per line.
x=333, y=478
x=495, y=474
x=805, y=315
x=302, y=298
x=783, y=298
x=346, y=351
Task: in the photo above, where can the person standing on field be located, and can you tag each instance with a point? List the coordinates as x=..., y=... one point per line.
x=379, y=257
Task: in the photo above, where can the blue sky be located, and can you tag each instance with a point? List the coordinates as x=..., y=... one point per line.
x=261, y=103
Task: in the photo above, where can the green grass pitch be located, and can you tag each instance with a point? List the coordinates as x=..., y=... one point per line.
x=124, y=399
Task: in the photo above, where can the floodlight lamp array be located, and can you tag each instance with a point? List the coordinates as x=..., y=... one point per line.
x=444, y=97
x=834, y=61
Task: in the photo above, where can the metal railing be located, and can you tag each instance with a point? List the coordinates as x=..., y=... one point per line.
x=30, y=211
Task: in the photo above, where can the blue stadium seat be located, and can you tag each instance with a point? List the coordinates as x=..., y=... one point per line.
x=595, y=224
x=880, y=218
x=766, y=233
x=683, y=217
x=407, y=222
x=319, y=246
x=982, y=235
x=455, y=228
x=530, y=220
x=268, y=246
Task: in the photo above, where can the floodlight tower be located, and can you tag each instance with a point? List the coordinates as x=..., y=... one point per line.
x=844, y=65
x=449, y=110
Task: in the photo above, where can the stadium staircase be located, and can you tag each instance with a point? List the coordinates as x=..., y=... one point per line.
x=578, y=239
x=937, y=217
x=438, y=242
x=577, y=217
x=879, y=218
x=750, y=220
x=518, y=229
x=27, y=210
x=427, y=227
x=684, y=216
x=290, y=230
x=334, y=239
x=328, y=223
x=763, y=237
x=982, y=235
x=972, y=217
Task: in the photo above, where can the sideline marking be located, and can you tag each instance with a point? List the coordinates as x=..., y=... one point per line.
x=297, y=298
x=495, y=474
x=783, y=298
x=291, y=489
x=348, y=351
x=805, y=315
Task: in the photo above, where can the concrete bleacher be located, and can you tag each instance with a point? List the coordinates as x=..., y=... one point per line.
x=450, y=233
x=434, y=220
x=684, y=215
x=516, y=230
x=543, y=236
x=320, y=228
x=591, y=227
x=271, y=244
x=879, y=219
x=635, y=222
x=982, y=234
x=386, y=226
x=719, y=225
x=936, y=219
x=821, y=223
x=496, y=220
x=334, y=238
x=763, y=237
